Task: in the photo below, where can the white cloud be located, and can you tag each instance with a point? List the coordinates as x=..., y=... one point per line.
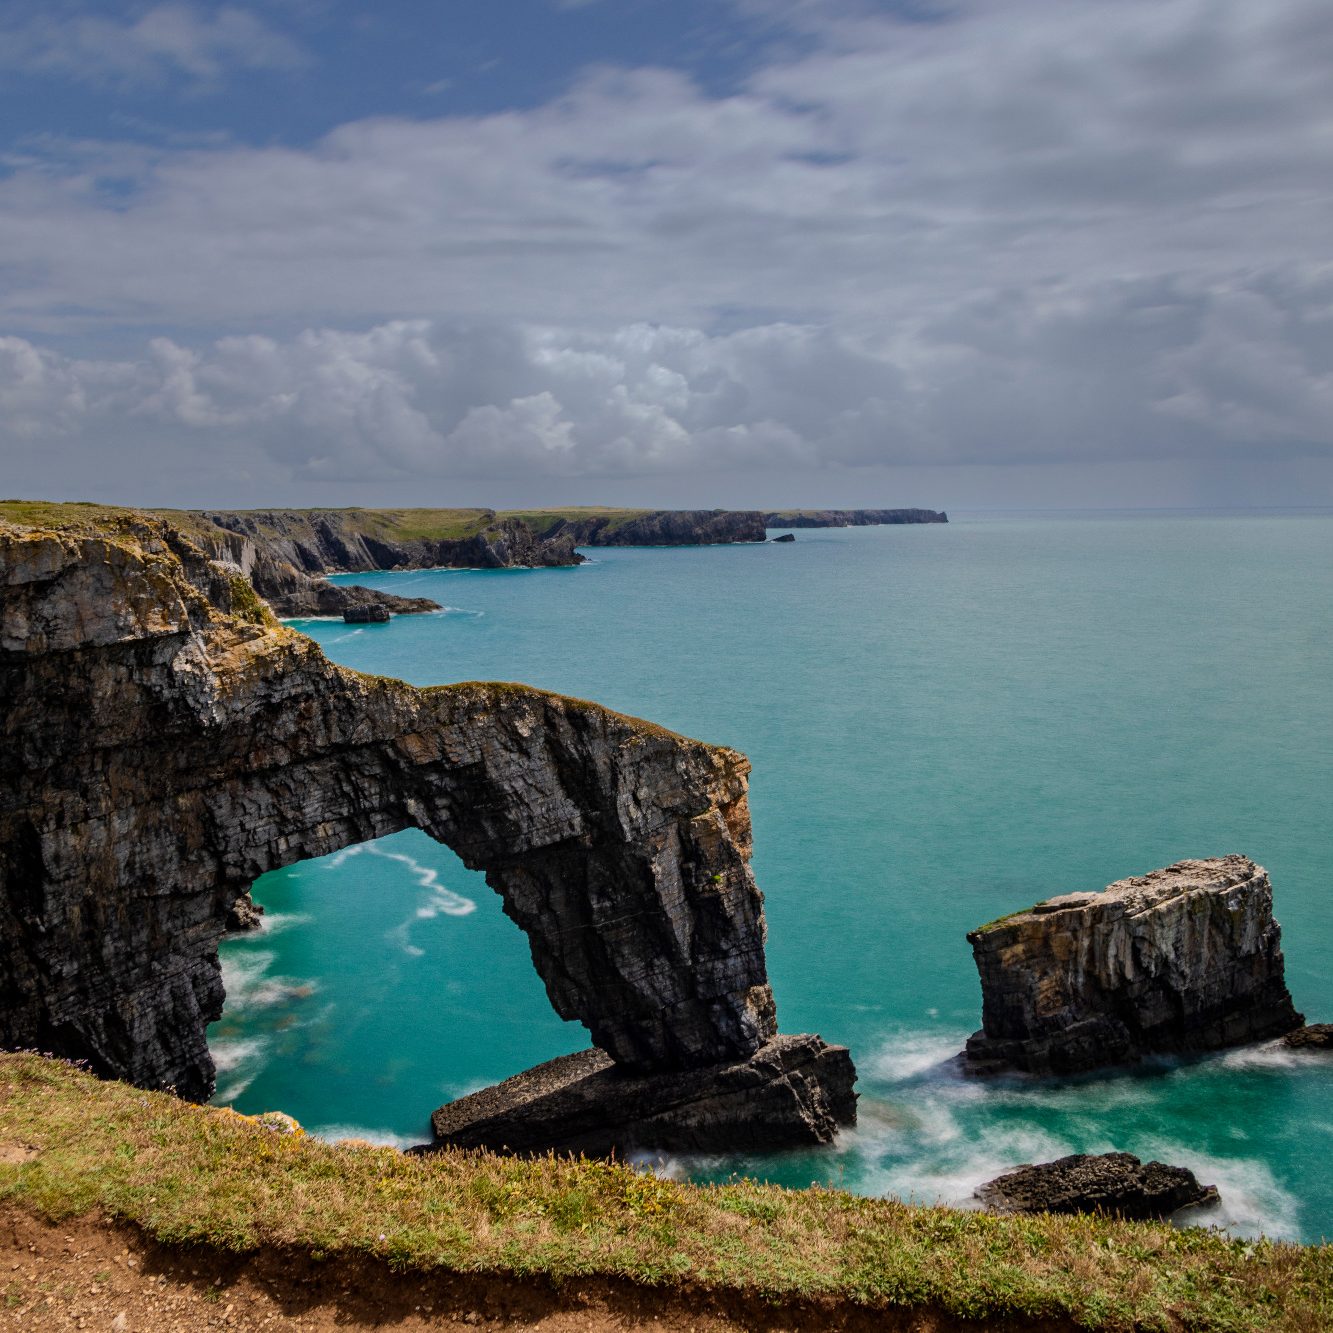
x=1052, y=229
x=145, y=45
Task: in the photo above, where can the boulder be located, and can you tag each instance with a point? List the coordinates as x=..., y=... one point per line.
x=1182, y=959
x=1114, y=1183
x=372, y=613
x=786, y=537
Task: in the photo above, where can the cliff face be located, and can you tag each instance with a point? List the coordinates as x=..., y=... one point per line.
x=167, y=742
x=665, y=527
x=850, y=518
x=1182, y=959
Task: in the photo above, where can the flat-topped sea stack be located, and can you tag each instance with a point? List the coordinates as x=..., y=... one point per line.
x=1183, y=959
x=166, y=742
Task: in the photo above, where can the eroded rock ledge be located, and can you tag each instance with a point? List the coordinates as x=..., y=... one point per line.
x=792, y=1090
x=166, y=742
x=1183, y=959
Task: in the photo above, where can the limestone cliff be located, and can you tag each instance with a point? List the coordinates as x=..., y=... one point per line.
x=167, y=742
x=1183, y=959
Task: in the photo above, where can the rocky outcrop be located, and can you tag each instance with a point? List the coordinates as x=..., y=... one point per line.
x=792, y=1090
x=291, y=592
x=1315, y=1037
x=1183, y=959
x=1113, y=1183
x=850, y=518
x=786, y=537
x=166, y=742
x=373, y=613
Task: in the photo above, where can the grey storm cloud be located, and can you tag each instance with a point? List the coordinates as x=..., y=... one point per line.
x=1042, y=231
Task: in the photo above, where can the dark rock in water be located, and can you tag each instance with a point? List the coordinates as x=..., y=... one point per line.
x=1314, y=1037
x=791, y=1091
x=166, y=742
x=786, y=537
x=1182, y=959
x=373, y=613
x=1115, y=1183
x=245, y=915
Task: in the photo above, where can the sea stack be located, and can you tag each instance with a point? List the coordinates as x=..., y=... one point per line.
x=1183, y=959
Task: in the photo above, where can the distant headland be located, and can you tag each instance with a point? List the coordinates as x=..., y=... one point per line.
x=286, y=553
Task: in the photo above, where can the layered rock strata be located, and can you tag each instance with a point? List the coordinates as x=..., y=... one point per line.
x=166, y=742
x=1114, y=1183
x=792, y=1090
x=1183, y=959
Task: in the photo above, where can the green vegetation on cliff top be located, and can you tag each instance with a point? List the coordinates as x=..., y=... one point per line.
x=189, y=1175
x=401, y=525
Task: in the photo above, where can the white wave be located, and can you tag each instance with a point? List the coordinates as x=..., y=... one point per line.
x=462, y=611
x=907, y=1056
x=246, y=980
x=445, y=901
x=274, y=923
x=1253, y=1203
x=351, y=634
x=244, y=1059
x=1267, y=1055
x=385, y=1138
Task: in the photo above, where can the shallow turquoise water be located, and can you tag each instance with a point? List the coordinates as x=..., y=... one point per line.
x=946, y=723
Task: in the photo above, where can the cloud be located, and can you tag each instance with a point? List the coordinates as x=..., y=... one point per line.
x=146, y=46
x=1050, y=230
x=1147, y=370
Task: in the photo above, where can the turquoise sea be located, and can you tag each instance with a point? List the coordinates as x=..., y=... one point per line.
x=946, y=723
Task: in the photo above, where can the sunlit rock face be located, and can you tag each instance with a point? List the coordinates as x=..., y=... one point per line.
x=1183, y=959
x=166, y=742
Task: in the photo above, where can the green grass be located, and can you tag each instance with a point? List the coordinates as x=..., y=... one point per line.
x=202, y=1176
x=394, y=525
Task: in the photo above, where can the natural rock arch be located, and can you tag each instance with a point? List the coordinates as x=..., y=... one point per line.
x=169, y=743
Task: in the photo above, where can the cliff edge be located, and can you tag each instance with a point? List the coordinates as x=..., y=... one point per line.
x=167, y=742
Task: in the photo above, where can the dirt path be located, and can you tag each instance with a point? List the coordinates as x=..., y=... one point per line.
x=98, y=1276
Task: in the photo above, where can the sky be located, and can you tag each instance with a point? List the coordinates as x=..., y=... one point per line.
x=954, y=253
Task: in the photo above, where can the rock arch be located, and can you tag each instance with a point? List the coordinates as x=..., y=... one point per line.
x=171, y=743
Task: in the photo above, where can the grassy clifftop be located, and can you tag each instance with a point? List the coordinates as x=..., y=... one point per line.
x=199, y=1176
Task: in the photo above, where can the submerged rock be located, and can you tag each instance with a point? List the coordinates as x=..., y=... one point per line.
x=1182, y=959
x=792, y=1090
x=166, y=742
x=1115, y=1183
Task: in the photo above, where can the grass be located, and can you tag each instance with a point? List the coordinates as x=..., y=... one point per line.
x=400, y=525
x=205, y=1176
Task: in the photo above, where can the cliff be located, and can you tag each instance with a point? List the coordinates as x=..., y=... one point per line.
x=167, y=742
x=1183, y=959
x=850, y=518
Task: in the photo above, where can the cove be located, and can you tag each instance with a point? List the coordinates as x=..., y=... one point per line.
x=946, y=724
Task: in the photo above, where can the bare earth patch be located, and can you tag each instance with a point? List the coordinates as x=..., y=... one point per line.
x=97, y=1275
